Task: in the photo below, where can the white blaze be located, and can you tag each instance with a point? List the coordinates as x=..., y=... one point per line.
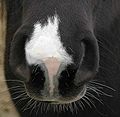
x=45, y=43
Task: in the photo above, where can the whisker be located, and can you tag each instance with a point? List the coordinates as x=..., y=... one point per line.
x=97, y=83
x=34, y=106
x=79, y=103
x=72, y=50
x=12, y=81
x=76, y=108
x=91, y=95
x=14, y=88
x=105, y=48
x=71, y=107
x=18, y=92
x=35, y=69
x=91, y=88
x=22, y=99
x=47, y=108
x=19, y=96
x=39, y=105
x=102, y=93
x=85, y=100
x=28, y=105
x=62, y=107
x=90, y=101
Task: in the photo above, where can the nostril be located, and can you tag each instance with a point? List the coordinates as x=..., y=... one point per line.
x=37, y=78
x=66, y=84
x=90, y=63
x=91, y=57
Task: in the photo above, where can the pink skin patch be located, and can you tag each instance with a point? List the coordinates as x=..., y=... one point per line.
x=52, y=65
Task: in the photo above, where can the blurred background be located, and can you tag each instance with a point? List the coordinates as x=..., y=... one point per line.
x=6, y=107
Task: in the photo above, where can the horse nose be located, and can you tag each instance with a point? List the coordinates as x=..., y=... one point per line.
x=52, y=64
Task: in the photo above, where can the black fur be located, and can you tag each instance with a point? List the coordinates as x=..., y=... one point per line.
x=82, y=20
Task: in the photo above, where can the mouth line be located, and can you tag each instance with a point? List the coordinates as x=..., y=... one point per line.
x=80, y=95
x=59, y=100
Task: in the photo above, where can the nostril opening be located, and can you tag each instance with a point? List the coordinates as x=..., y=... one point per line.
x=47, y=102
x=66, y=80
x=37, y=78
x=68, y=75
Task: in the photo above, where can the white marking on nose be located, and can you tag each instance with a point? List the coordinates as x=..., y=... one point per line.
x=45, y=42
x=52, y=65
